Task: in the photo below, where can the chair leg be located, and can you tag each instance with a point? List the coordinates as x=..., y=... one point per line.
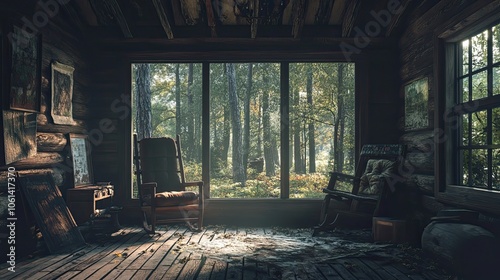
x=200, y=219
x=192, y=227
x=323, y=218
x=153, y=220
x=147, y=227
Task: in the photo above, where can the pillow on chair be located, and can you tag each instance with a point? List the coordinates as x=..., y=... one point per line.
x=172, y=198
x=376, y=169
x=176, y=198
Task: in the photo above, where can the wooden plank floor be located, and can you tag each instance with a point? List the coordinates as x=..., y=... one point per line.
x=227, y=253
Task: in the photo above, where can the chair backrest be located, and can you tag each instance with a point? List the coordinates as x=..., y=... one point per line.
x=377, y=160
x=392, y=152
x=160, y=161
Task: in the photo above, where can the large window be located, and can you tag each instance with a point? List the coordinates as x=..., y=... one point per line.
x=248, y=112
x=321, y=124
x=167, y=98
x=477, y=108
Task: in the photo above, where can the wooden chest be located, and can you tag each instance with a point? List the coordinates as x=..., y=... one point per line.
x=387, y=229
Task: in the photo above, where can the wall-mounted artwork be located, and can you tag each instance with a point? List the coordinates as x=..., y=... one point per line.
x=82, y=160
x=416, y=104
x=19, y=132
x=62, y=94
x=25, y=72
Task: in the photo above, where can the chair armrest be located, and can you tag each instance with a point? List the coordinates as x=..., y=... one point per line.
x=342, y=176
x=337, y=176
x=192, y=183
x=340, y=194
x=196, y=183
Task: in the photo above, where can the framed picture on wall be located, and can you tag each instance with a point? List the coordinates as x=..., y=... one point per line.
x=416, y=96
x=82, y=160
x=26, y=62
x=19, y=135
x=62, y=94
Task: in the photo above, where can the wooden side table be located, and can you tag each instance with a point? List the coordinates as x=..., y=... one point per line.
x=82, y=201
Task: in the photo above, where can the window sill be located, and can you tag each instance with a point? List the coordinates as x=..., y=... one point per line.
x=471, y=198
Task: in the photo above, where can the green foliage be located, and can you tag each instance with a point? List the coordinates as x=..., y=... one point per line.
x=262, y=186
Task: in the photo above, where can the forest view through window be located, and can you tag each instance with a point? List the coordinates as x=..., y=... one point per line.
x=478, y=90
x=245, y=123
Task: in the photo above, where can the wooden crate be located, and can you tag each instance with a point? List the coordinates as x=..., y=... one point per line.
x=394, y=230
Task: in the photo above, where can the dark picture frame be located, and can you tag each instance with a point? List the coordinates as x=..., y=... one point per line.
x=62, y=93
x=19, y=136
x=81, y=159
x=416, y=96
x=26, y=65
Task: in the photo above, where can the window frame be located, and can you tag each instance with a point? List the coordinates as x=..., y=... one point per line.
x=446, y=122
x=284, y=112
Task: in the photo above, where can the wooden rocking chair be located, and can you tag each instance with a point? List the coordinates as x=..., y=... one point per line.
x=372, y=187
x=162, y=185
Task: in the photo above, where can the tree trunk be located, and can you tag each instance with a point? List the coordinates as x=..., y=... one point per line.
x=246, y=140
x=237, y=153
x=259, y=127
x=216, y=150
x=312, y=147
x=341, y=117
x=226, y=134
x=190, y=118
x=336, y=143
x=266, y=125
x=297, y=152
x=143, y=101
x=178, y=116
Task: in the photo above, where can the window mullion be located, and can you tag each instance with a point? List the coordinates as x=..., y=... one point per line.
x=489, y=115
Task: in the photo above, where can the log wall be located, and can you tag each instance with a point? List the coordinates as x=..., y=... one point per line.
x=60, y=43
x=418, y=60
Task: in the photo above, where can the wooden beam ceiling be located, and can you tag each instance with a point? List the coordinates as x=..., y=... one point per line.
x=210, y=17
x=298, y=16
x=350, y=17
x=324, y=12
x=162, y=15
x=108, y=11
x=396, y=18
x=255, y=23
x=191, y=9
x=232, y=18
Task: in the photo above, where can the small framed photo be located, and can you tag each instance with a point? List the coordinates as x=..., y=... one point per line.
x=26, y=64
x=82, y=160
x=416, y=104
x=62, y=94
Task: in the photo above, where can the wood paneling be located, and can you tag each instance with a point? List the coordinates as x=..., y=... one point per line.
x=418, y=48
x=60, y=42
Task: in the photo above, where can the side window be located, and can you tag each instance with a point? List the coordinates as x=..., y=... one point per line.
x=476, y=106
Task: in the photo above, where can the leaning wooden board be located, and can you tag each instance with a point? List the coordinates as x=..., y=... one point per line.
x=52, y=216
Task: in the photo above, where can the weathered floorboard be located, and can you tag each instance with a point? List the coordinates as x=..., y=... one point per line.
x=170, y=255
